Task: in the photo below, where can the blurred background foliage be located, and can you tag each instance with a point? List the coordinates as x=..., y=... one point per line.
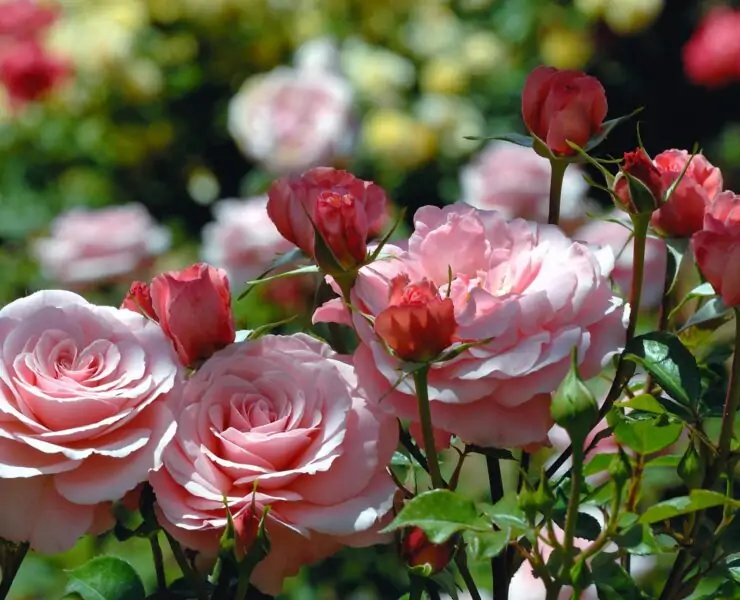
x=144, y=118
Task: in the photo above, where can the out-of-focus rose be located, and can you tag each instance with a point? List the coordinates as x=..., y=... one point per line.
x=717, y=247
x=617, y=237
x=418, y=324
x=639, y=166
x=242, y=240
x=193, y=307
x=563, y=105
x=343, y=208
x=25, y=19
x=98, y=245
x=712, y=56
x=683, y=214
x=284, y=413
x=516, y=181
x=417, y=550
x=85, y=414
x=29, y=72
x=398, y=140
x=627, y=17
x=527, y=289
x=290, y=120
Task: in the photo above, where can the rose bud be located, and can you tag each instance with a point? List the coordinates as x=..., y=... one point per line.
x=563, y=105
x=29, y=72
x=417, y=550
x=640, y=187
x=418, y=324
x=711, y=57
x=343, y=208
x=717, y=247
x=139, y=299
x=194, y=310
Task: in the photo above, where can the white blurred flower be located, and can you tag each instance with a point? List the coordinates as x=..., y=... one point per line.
x=432, y=30
x=99, y=245
x=516, y=181
x=453, y=118
x=319, y=55
x=242, y=240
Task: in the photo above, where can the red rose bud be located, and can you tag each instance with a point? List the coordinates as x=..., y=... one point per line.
x=342, y=222
x=29, y=73
x=563, y=105
x=711, y=57
x=417, y=550
x=418, y=324
x=640, y=187
x=194, y=310
x=139, y=299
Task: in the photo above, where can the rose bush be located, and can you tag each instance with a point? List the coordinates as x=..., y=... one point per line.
x=525, y=294
x=278, y=422
x=85, y=414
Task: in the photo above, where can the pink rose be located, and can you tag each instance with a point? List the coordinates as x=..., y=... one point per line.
x=25, y=19
x=242, y=240
x=283, y=413
x=683, y=214
x=98, y=245
x=712, y=56
x=527, y=293
x=193, y=307
x=344, y=208
x=29, y=72
x=617, y=237
x=290, y=120
x=516, y=181
x=717, y=247
x=85, y=416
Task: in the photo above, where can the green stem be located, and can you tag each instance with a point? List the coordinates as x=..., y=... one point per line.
x=417, y=587
x=571, y=514
x=158, y=558
x=499, y=563
x=182, y=561
x=640, y=223
x=462, y=566
x=12, y=558
x=732, y=401
x=557, y=172
x=425, y=417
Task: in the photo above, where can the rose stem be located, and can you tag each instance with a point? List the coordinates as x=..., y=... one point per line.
x=12, y=558
x=499, y=563
x=158, y=561
x=557, y=172
x=425, y=417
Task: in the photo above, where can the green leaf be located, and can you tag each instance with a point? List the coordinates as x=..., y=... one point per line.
x=387, y=236
x=638, y=539
x=670, y=363
x=587, y=527
x=514, y=138
x=643, y=402
x=106, y=578
x=607, y=128
x=305, y=270
x=284, y=259
x=255, y=334
x=612, y=581
x=599, y=463
x=676, y=249
x=646, y=435
x=506, y=513
x=704, y=290
x=487, y=544
x=683, y=505
x=711, y=315
x=440, y=514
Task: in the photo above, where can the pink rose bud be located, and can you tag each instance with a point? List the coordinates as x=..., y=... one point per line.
x=712, y=56
x=28, y=72
x=563, y=105
x=194, y=310
x=717, y=247
x=683, y=214
x=417, y=550
x=639, y=166
x=343, y=208
x=139, y=299
x=418, y=324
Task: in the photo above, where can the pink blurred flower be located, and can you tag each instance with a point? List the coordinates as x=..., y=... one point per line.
x=284, y=413
x=290, y=120
x=24, y=19
x=85, y=416
x=617, y=237
x=712, y=56
x=516, y=181
x=98, y=245
x=527, y=293
x=29, y=72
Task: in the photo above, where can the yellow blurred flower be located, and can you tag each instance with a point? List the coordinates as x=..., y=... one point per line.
x=566, y=48
x=453, y=118
x=631, y=16
x=483, y=51
x=142, y=79
x=432, y=30
x=593, y=9
x=444, y=75
x=397, y=139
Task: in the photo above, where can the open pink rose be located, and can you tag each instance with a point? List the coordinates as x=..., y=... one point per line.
x=526, y=293
x=84, y=414
x=284, y=414
x=97, y=245
x=712, y=56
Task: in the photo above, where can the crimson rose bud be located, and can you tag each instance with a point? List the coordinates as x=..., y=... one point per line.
x=563, y=105
x=28, y=72
x=139, y=299
x=650, y=184
x=418, y=324
x=417, y=550
x=194, y=310
x=343, y=224
x=712, y=56
x=717, y=247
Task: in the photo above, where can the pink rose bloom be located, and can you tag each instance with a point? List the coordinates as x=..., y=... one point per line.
x=29, y=72
x=516, y=181
x=712, y=56
x=24, y=19
x=284, y=413
x=290, y=120
x=98, y=245
x=242, y=240
x=717, y=247
x=84, y=410
x=617, y=237
x=527, y=293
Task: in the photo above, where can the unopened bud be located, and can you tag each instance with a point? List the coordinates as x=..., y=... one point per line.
x=418, y=551
x=620, y=469
x=691, y=468
x=528, y=501
x=574, y=407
